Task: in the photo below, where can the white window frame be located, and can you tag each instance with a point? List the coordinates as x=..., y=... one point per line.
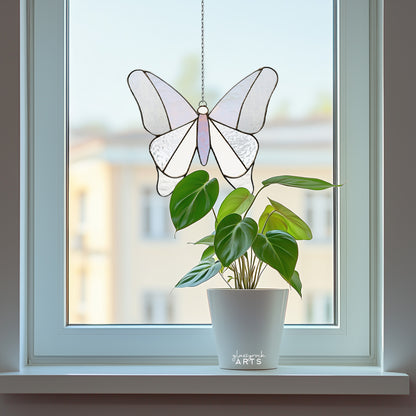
x=352, y=341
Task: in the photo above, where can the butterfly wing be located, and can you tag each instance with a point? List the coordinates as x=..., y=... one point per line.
x=162, y=107
x=167, y=115
x=235, y=153
x=172, y=153
x=239, y=114
x=244, y=107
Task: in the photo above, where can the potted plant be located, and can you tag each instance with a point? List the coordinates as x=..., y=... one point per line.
x=247, y=323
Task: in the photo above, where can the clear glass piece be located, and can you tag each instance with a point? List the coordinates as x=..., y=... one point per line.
x=182, y=157
x=163, y=147
x=244, y=107
x=179, y=111
x=228, y=161
x=243, y=181
x=228, y=108
x=165, y=186
x=244, y=145
x=151, y=107
x=253, y=111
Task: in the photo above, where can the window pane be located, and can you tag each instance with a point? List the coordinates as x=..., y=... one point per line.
x=124, y=258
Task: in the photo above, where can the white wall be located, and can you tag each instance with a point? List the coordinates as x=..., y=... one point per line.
x=9, y=176
x=400, y=282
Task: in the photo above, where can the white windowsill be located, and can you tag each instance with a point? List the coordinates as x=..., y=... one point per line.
x=203, y=380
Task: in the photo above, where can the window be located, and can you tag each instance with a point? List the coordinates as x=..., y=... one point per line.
x=352, y=332
x=319, y=308
x=155, y=219
x=319, y=216
x=83, y=293
x=156, y=307
x=80, y=224
x=109, y=149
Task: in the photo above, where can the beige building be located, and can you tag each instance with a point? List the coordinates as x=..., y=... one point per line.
x=124, y=258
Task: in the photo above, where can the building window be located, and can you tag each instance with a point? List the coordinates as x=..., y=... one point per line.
x=319, y=308
x=80, y=223
x=83, y=290
x=155, y=220
x=319, y=216
x=156, y=307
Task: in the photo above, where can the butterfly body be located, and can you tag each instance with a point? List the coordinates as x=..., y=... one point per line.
x=227, y=130
x=203, y=136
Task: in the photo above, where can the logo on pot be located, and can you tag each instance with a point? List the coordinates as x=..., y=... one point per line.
x=248, y=359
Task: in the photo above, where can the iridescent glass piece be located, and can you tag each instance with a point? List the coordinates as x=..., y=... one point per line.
x=203, y=139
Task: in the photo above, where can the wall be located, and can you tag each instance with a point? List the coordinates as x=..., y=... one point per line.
x=9, y=174
x=400, y=331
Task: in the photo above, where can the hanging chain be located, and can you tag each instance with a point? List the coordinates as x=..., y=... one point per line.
x=202, y=102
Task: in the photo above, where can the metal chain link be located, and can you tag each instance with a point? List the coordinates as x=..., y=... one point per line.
x=202, y=102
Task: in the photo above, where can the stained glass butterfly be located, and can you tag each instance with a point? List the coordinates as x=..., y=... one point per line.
x=180, y=131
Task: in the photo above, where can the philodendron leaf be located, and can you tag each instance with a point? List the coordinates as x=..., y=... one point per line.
x=295, y=282
x=279, y=250
x=299, y=182
x=237, y=202
x=201, y=273
x=208, y=252
x=269, y=221
x=277, y=217
x=208, y=240
x=193, y=197
x=234, y=237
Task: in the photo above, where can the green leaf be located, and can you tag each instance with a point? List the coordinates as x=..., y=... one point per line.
x=295, y=282
x=279, y=217
x=193, y=197
x=201, y=273
x=208, y=252
x=299, y=182
x=274, y=222
x=279, y=250
x=237, y=202
x=234, y=237
x=208, y=240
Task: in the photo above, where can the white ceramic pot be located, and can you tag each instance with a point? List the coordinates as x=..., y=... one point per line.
x=248, y=325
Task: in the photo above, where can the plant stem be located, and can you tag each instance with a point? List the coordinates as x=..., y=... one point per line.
x=233, y=268
x=215, y=216
x=267, y=219
x=255, y=273
x=261, y=271
x=225, y=280
x=251, y=268
x=242, y=277
x=252, y=202
x=244, y=261
x=245, y=272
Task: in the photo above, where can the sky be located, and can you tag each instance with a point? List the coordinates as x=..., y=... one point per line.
x=108, y=39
